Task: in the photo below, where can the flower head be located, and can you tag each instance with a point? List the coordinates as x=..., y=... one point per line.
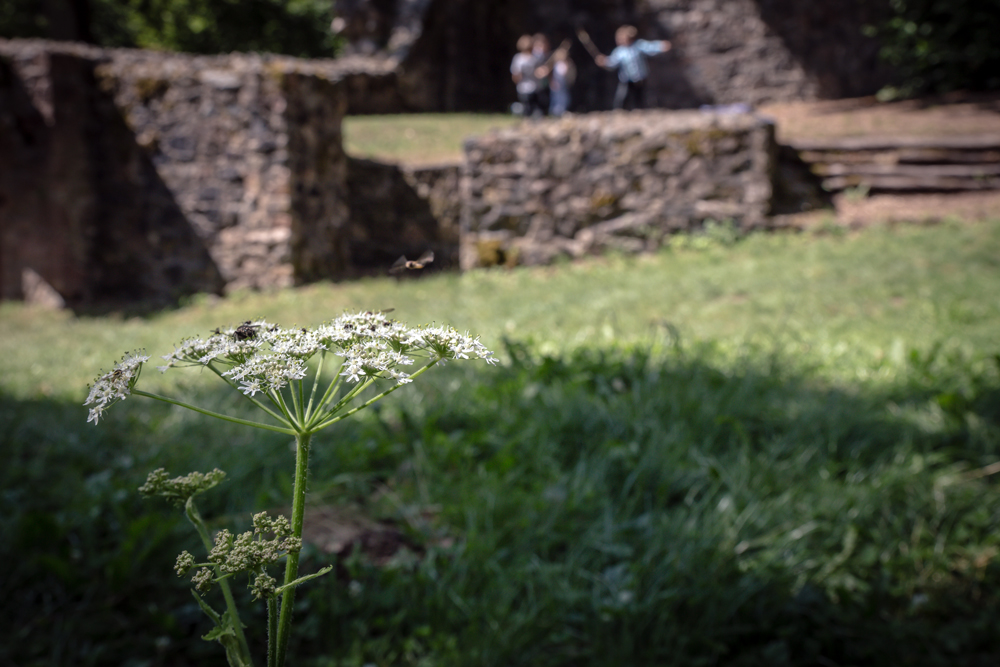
x=258, y=357
x=115, y=385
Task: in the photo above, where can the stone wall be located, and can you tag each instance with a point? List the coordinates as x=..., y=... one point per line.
x=611, y=181
x=83, y=210
x=139, y=175
x=132, y=175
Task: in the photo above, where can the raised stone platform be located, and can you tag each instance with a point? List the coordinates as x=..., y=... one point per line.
x=585, y=184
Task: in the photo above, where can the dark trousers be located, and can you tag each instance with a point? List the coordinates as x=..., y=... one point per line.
x=533, y=104
x=630, y=95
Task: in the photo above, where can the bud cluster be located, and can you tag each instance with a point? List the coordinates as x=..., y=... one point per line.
x=179, y=489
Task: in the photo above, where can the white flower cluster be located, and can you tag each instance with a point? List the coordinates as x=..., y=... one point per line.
x=262, y=357
x=115, y=385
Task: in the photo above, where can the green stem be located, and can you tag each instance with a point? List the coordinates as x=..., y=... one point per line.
x=191, y=510
x=247, y=396
x=272, y=630
x=347, y=398
x=217, y=415
x=364, y=405
x=312, y=394
x=328, y=395
x=292, y=560
x=296, y=403
x=279, y=400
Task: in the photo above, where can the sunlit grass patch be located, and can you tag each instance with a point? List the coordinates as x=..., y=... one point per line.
x=417, y=138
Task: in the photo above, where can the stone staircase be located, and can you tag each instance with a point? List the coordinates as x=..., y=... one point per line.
x=904, y=164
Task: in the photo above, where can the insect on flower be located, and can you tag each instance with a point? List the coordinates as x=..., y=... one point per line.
x=246, y=331
x=403, y=263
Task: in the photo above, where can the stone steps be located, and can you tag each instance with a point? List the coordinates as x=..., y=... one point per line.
x=904, y=164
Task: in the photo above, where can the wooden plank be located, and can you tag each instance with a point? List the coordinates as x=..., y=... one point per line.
x=907, y=155
x=918, y=170
x=911, y=183
x=947, y=156
x=873, y=143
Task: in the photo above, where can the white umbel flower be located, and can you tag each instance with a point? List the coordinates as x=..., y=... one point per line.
x=115, y=385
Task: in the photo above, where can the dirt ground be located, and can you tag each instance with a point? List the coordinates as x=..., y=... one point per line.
x=956, y=114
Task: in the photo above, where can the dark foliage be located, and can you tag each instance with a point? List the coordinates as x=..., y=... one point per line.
x=942, y=45
x=292, y=27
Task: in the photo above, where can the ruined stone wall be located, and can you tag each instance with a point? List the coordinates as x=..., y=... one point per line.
x=142, y=175
x=753, y=51
x=611, y=181
x=82, y=208
x=251, y=149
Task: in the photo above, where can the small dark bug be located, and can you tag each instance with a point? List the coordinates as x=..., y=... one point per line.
x=246, y=331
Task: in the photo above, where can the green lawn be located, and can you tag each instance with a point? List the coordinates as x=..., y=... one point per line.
x=775, y=452
x=857, y=304
x=417, y=138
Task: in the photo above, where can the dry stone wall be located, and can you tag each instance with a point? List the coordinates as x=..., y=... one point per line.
x=138, y=175
x=251, y=148
x=611, y=180
x=127, y=175
x=83, y=212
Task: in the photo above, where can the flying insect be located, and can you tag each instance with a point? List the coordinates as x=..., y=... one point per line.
x=412, y=264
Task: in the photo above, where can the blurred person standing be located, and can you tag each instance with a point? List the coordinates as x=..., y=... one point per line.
x=561, y=80
x=542, y=51
x=523, y=71
x=629, y=58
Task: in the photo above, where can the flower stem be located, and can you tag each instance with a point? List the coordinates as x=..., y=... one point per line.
x=253, y=400
x=292, y=560
x=191, y=510
x=334, y=420
x=217, y=415
x=272, y=630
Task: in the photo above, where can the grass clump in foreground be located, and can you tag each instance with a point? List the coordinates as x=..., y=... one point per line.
x=796, y=493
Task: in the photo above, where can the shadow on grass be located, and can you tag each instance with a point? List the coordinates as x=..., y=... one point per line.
x=601, y=508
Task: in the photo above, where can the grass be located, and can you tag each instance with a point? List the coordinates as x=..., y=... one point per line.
x=766, y=453
x=855, y=304
x=416, y=138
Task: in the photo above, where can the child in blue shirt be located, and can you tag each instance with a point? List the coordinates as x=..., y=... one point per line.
x=629, y=58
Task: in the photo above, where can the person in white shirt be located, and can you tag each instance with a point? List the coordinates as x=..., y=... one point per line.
x=522, y=71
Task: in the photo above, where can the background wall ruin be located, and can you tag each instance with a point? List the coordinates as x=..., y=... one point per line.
x=611, y=181
x=141, y=175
